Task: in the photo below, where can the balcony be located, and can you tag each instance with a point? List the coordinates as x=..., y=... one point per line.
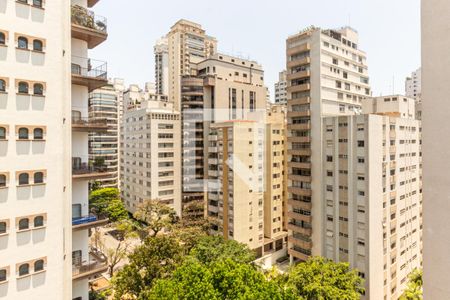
x=88, y=27
x=299, y=177
x=298, y=75
x=297, y=216
x=293, y=114
x=299, y=88
x=297, y=254
x=90, y=73
x=299, y=229
x=96, y=264
x=306, y=151
x=299, y=101
x=87, y=222
x=300, y=243
x=300, y=165
x=299, y=204
x=299, y=191
x=299, y=126
x=298, y=49
x=299, y=139
x=86, y=169
x=298, y=62
x=89, y=124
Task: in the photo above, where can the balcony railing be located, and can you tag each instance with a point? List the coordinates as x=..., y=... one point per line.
x=97, y=263
x=86, y=18
x=88, y=168
x=87, y=67
x=89, y=123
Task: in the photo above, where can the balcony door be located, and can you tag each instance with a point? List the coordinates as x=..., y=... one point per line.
x=76, y=211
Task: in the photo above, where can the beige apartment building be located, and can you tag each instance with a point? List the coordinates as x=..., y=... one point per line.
x=46, y=77
x=436, y=182
x=280, y=88
x=150, y=162
x=326, y=76
x=373, y=195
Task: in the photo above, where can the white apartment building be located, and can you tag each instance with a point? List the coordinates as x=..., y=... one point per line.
x=161, y=51
x=326, y=76
x=413, y=85
x=150, y=160
x=373, y=194
x=436, y=182
x=280, y=88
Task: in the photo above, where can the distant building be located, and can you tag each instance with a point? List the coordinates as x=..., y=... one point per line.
x=280, y=89
x=413, y=85
x=161, y=51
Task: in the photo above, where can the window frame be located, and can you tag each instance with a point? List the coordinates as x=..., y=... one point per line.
x=3, y=41
x=23, y=40
x=38, y=45
x=40, y=180
x=23, y=87
x=27, y=181
x=36, y=136
x=5, y=136
x=5, y=183
x=27, y=271
x=42, y=267
x=2, y=85
x=39, y=5
x=38, y=89
x=20, y=134
x=5, y=272
x=27, y=224
x=6, y=227
x=39, y=218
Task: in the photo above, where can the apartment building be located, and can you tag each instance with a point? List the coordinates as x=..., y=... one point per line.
x=133, y=96
x=435, y=91
x=150, y=162
x=413, y=85
x=104, y=142
x=188, y=45
x=280, y=88
x=326, y=75
x=373, y=194
x=161, y=51
x=35, y=135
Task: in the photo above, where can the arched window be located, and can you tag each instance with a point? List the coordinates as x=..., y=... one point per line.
x=39, y=265
x=24, y=224
x=2, y=133
x=37, y=45
x=2, y=181
x=23, y=133
x=22, y=42
x=24, y=178
x=2, y=38
x=24, y=269
x=38, y=177
x=39, y=221
x=38, y=89
x=38, y=134
x=2, y=275
x=37, y=3
x=2, y=227
x=23, y=87
x=2, y=84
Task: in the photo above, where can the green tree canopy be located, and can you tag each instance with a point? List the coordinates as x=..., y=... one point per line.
x=106, y=202
x=155, y=216
x=322, y=279
x=413, y=290
x=210, y=249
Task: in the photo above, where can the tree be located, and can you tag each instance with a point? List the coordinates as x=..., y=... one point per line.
x=155, y=217
x=321, y=279
x=156, y=258
x=210, y=249
x=413, y=290
x=224, y=279
x=106, y=202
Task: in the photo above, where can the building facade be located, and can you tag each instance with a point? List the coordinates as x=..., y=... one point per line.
x=326, y=75
x=280, y=89
x=373, y=195
x=413, y=85
x=161, y=51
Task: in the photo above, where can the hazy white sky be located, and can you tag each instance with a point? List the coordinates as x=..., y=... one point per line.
x=389, y=32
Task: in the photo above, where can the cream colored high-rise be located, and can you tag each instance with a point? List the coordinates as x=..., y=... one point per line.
x=372, y=193
x=436, y=182
x=44, y=158
x=326, y=75
x=188, y=45
x=150, y=162
x=280, y=89
x=161, y=51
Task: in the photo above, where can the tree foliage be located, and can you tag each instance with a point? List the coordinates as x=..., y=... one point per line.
x=413, y=290
x=322, y=279
x=106, y=202
x=155, y=216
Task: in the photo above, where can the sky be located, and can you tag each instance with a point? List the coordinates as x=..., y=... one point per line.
x=389, y=32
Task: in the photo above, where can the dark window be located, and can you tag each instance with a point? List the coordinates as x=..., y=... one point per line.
x=38, y=134
x=38, y=89
x=38, y=177
x=24, y=269
x=360, y=143
x=24, y=178
x=37, y=3
x=2, y=275
x=2, y=84
x=37, y=45
x=2, y=38
x=23, y=87
x=2, y=227
x=39, y=265
x=39, y=221
x=23, y=133
x=24, y=224
x=22, y=42
x=2, y=133
x=2, y=181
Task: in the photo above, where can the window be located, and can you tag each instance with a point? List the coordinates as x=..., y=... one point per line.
x=2, y=38
x=38, y=177
x=2, y=133
x=38, y=134
x=2, y=227
x=39, y=265
x=24, y=178
x=24, y=224
x=2, y=84
x=22, y=42
x=37, y=3
x=23, y=133
x=37, y=45
x=38, y=89
x=3, y=275
x=24, y=269
x=38, y=221
x=23, y=87
x=360, y=143
x=2, y=181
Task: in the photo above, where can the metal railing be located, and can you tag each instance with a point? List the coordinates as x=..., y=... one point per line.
x=83, y=121
x=86, y=18
x=86, y=219
x=87, y=67
x=85, y=166
x=97, y=262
